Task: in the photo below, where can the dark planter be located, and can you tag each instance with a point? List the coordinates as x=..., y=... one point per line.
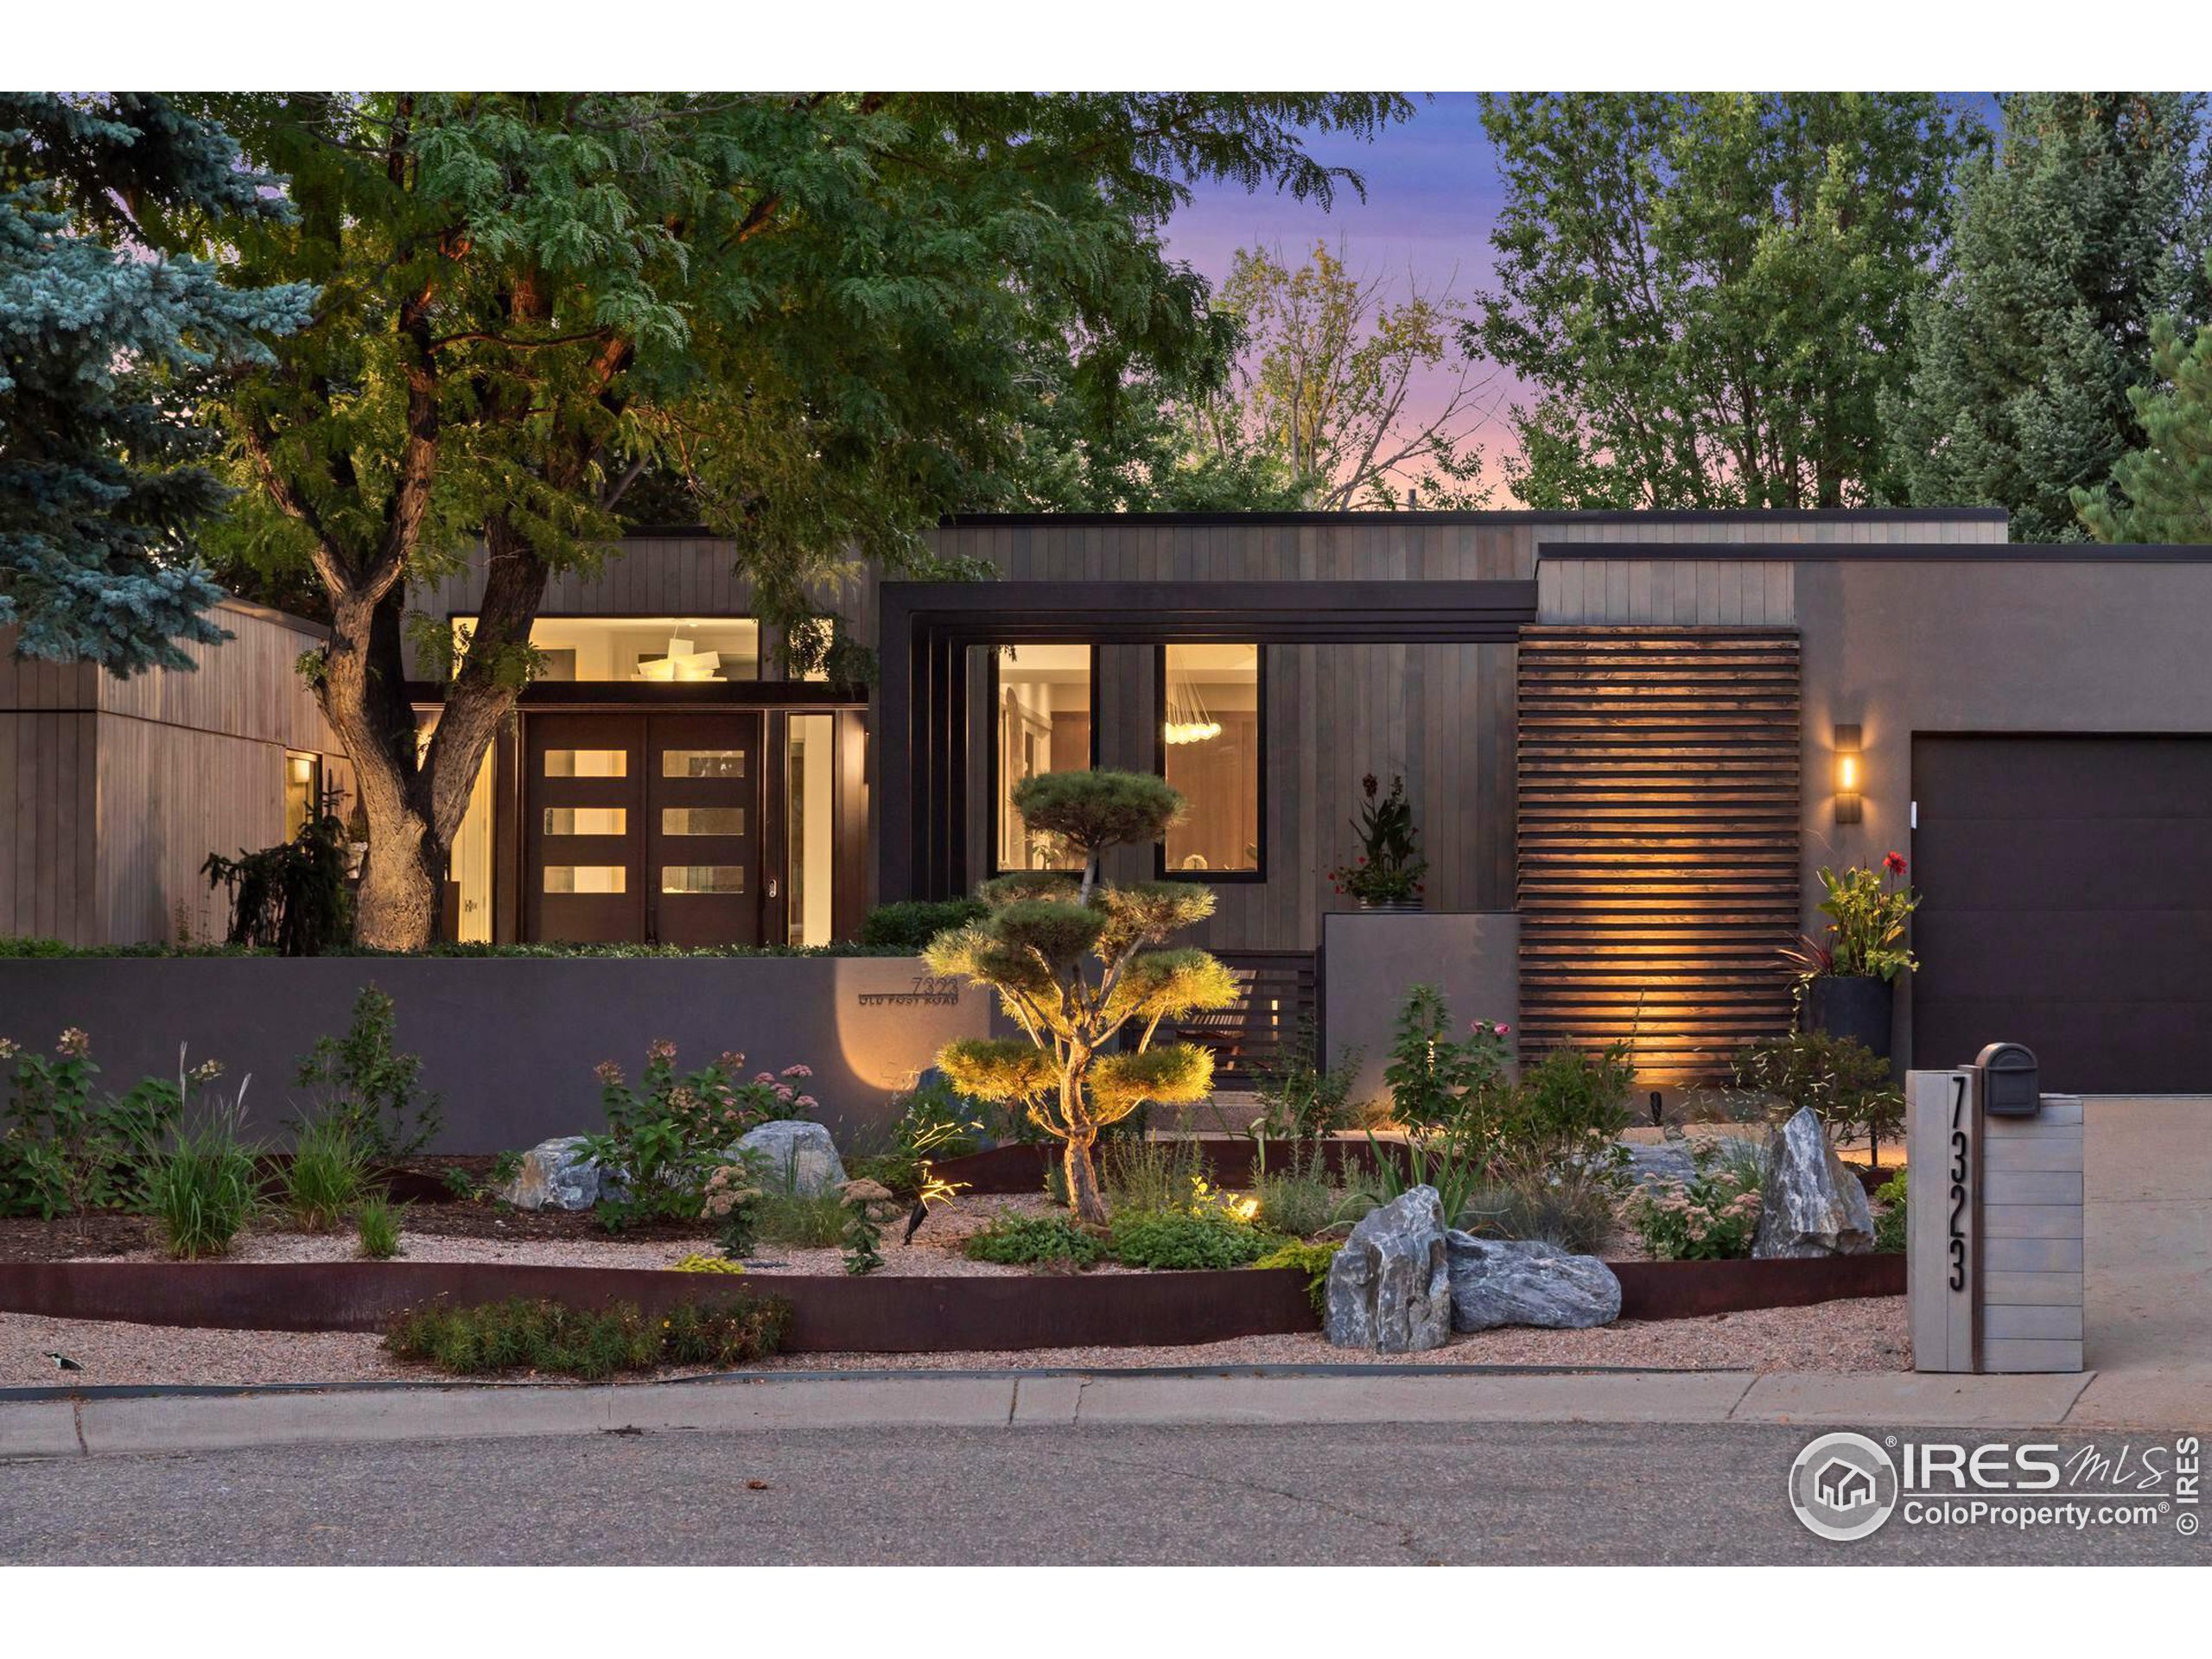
x=1850, y=1004
x=1405, y=907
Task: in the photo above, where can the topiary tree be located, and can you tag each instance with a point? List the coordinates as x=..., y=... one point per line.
x=1072, y=965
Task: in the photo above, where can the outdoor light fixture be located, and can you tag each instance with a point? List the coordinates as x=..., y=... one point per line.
x=1849, y=764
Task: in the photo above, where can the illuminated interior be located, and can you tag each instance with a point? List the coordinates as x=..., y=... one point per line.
x=303, y=790
x=1043, y=719
x=641, y=650
x=1211, y=732
x=809, y=817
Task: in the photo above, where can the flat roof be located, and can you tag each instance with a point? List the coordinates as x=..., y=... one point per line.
x=1909, y=552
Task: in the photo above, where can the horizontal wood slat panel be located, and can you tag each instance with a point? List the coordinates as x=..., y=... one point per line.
x=1658, y=846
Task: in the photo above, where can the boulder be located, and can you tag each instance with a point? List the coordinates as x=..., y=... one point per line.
x=794, y=1153
x=556, y=1175
x=1390, y=1286
x=1527, y=1281
x=1809, y=1203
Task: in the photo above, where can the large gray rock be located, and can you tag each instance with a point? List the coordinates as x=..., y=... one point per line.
x=1527, y=1281
x=1809, y=1203
x=794, y=1154
x=1390, y=1286
x=556, y=1175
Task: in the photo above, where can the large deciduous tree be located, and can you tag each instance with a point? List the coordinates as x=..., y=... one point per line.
x=107, y=335
x=1707, y=294
x=819, y=311
x=1328, y=389
x=2089, y=222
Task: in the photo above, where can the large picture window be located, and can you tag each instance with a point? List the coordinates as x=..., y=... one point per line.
x=641, y=650
x=1210, y=751
x=1041, y=701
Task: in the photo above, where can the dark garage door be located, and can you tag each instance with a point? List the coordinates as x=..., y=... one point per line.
x=2067, y=904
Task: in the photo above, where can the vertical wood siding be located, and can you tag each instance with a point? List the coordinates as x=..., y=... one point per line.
x=1659, y=778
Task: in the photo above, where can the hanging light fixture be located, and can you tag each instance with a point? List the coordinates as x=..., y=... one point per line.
x=1187, y=719
x=682, y=663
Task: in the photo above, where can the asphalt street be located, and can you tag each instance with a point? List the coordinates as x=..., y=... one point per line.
x=1369, y=1494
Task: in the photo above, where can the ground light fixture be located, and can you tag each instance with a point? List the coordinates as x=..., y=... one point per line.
x=1850, y=768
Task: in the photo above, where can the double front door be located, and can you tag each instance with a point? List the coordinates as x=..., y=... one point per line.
x=643, y=826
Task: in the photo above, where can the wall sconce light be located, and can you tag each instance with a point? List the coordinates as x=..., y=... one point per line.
x=1850, y=765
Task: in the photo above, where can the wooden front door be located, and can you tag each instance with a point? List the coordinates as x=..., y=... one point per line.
x=643, y=826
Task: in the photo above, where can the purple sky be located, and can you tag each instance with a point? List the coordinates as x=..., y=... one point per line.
x=1433, y=192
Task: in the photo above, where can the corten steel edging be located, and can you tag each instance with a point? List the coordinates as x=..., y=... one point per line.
x=1684, y=1290
x=873, y=1314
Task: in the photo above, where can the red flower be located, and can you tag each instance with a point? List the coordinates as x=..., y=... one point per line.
x=1893, y=863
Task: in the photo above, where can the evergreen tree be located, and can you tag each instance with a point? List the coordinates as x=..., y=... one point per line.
x=816, y=309
x=2163, y=490
x=107, y=336
x=1709, y=292
x=2087, y=223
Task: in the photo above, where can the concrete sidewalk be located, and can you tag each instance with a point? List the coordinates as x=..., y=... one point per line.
x=148, y=1422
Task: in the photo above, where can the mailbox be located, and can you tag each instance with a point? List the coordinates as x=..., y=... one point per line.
x=2011, y=1081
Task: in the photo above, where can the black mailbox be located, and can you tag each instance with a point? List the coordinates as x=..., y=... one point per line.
x=2011, y=1082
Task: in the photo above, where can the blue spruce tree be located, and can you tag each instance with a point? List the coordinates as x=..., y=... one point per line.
x=107, y=341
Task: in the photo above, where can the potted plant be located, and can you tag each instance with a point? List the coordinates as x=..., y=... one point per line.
x=1844, y=981
x=1386, y=874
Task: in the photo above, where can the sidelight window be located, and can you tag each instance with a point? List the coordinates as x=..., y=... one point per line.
x=1211, y=751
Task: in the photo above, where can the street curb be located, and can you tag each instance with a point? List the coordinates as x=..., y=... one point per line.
x=96, y=1423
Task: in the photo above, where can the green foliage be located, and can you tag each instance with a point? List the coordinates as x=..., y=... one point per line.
x=588, y=1343
x=1184, y=1239
x=1709, y=293
x=1312, y=1261
x=1434, y=1078
x=379, y=1222
x=861, y=1236
x=292, y=898
x=911, y=924
x=1139, y=1173
x=2085, y=225
x=110, y=337
x=12, y=948
x=2162, y=491
x=1576, y=1215
x=327, y=1175
x=370, y=1089
x=203, y=1187
x=68, y=1149
x=667, y=1134
x=698, y=1263
x=1035, y=1241
x=1296, y=1197
x=1711, y=1218
x=1891, y=1213
x=1299, y=1098
x=1314, y=406
x=463, y=1185
x=1388, y=868
x=802, y=1221
x=1867, y=921
x=1839, y=1077
x=1032, y=948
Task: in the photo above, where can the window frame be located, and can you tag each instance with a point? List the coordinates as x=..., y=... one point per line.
x=317, y=775
x=997, y=796
x=1214, y=878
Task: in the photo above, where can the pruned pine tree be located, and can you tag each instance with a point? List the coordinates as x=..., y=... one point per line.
x=1077, y=965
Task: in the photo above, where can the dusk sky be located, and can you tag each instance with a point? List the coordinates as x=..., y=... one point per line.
x=1433, y=192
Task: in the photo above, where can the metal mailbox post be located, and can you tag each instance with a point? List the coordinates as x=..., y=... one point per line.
x=1993, y=1217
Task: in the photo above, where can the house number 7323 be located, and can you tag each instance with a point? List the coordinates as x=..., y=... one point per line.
x=1959, y=1149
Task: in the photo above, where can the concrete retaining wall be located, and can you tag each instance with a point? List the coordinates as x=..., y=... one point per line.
x=1370, y=959
x=510, y=1042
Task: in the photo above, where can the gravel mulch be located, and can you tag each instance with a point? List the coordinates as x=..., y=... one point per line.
x=1853, y=1336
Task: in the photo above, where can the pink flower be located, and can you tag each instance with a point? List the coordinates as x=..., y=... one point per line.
x=660, y=1049
x=785, y=1092
x=763, y=1076
x=730, y=1059
x=73, y=1044
x=799, y=1070
x=806, y=1103
x=607, y=1072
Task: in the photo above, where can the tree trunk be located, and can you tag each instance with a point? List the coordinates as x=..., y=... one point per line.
x=1084, y=1199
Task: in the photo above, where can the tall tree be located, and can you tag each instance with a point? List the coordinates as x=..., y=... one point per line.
x=107, y=336
x=2161, y=491
x=815, y=309
x=2087, y=223
x=1325, y=391
x=1708, y=293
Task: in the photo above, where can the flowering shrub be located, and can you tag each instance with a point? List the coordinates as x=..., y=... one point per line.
x=1432, y=1075
x=65, y=1149
x=1866, y=919
x=1388, y=870
x=668, y=1133
x=1710, y=1218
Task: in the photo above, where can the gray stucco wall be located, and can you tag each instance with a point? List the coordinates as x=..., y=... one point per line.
x=510, y=1042
x=2073, y=643
x=1371, y=959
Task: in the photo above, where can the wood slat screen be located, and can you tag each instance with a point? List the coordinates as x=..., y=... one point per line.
x=1658, y=846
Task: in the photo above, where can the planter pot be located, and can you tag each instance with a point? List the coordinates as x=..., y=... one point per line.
x=1850, y=1004
x=1389, y=906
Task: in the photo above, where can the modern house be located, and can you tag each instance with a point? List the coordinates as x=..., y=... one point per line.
x=1629, y=740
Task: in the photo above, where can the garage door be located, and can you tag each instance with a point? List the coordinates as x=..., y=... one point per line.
x=2067, y=905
